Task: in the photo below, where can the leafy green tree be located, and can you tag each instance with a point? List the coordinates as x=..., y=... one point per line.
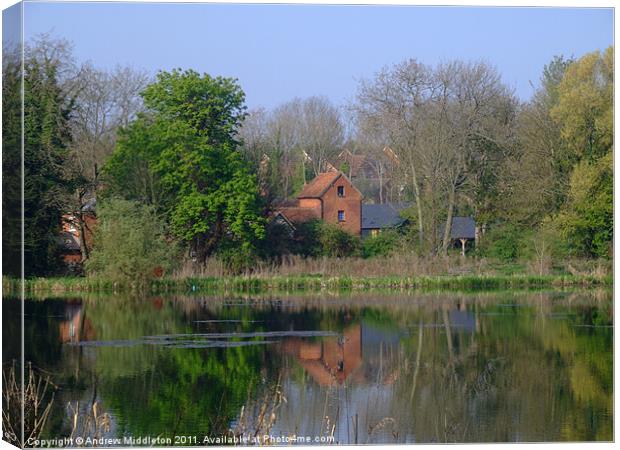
x=11, y=163
x=587, y=220
x=187, y=149
x=533, y=180
x=130, y=243
x=46, y=133
x=585, y=105
x=585, y=113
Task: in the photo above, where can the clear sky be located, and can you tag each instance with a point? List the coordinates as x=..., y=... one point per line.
x=282, y=51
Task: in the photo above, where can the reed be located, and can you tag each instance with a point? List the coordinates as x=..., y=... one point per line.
x=36, y=397
x=88, y=422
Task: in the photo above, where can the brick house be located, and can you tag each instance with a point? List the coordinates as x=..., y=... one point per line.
x=70, y=238
x=330, y=196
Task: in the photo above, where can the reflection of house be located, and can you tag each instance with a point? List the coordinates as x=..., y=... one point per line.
x=75, y=327
x=330, y=196
x=463, y=231
x=331, y=360
x=376, y=218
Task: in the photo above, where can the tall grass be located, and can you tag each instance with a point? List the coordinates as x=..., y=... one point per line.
x=294, y=283
x=295, y=273
x=398, y=265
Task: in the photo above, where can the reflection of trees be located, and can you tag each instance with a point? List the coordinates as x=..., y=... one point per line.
x=434, y=367
x=526, y=376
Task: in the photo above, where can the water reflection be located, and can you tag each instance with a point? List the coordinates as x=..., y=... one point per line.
x=363, y=368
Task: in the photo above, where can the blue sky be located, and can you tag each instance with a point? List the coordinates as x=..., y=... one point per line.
x=282, y=51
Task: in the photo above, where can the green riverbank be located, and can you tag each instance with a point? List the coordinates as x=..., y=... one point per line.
x=304, y=282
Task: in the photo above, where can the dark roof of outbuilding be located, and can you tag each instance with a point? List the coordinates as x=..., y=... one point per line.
x=385, y=215
x=462, y=228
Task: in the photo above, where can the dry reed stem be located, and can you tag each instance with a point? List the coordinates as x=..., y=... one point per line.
x=37, y=397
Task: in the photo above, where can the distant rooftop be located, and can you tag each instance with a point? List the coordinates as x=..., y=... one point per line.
x=385, y=215
x=317, y=187
x=462, y=228
x=298, y=215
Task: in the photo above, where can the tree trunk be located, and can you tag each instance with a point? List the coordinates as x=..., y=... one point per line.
x=82, y=233
x=418, y=204
x=447, y=232
x=380, y=185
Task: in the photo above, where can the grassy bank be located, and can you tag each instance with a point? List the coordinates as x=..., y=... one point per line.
x=306, y=282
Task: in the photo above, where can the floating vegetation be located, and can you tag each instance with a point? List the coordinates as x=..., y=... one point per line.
x=205, y=340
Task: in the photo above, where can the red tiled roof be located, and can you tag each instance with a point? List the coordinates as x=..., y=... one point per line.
x=297, y=214
x=317, y=187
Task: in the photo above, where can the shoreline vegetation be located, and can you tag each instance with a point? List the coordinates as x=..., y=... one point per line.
x=392, y=273
x=257, y=283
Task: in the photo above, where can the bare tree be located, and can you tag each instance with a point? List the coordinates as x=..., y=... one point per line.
x=300, y=134
x=477, y=112
x=322, y=131
x=393, y=101
x=104, y=102
x=444, y=125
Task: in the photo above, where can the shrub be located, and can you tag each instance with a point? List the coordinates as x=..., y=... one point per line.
x=504, y=242
x=380, y=245
x=130, y=243
x=278, y=241
x=314, y=238
x=337, y=242
x=238, y=260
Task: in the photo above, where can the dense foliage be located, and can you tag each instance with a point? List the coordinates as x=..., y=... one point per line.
x=382, y=244
x=181, y=157
x=46, y=135
x=130, y=243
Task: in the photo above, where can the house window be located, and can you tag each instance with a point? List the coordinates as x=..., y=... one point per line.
x=340, y=191
x=341, y=217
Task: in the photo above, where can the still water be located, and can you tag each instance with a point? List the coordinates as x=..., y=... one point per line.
x=347, y=368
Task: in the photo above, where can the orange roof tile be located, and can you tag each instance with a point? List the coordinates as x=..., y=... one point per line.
x=317, y=187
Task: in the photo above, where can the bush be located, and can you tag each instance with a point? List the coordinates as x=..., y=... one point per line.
x=380, y=245
x=334, y=241
x=238, y=260
x=130, y=243
x=504, y=242
x=314, y=238
x=278, y=241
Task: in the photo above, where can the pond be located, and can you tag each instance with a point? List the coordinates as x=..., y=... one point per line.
x=342, y=368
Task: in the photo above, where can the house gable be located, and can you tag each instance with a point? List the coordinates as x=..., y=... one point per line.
x=342, y=205
x=330, y=196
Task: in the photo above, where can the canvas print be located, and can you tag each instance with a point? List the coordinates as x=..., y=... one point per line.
x=284, y=224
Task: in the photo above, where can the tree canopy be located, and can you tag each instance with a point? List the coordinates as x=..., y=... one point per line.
x=181, y=156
